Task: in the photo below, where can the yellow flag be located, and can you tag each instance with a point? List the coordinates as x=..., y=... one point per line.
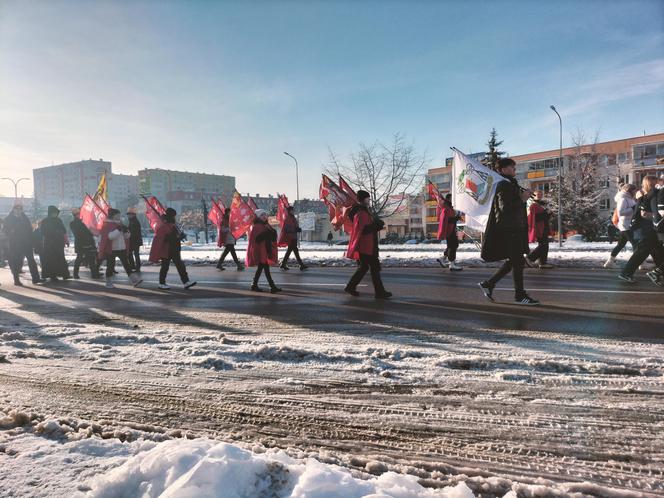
x=102, y=189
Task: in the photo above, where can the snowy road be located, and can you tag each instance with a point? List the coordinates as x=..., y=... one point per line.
x=437, y=383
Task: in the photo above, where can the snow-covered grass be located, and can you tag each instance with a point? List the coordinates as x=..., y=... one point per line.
x=572, y=254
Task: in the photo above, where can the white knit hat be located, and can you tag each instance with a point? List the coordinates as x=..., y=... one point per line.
x=260, y=213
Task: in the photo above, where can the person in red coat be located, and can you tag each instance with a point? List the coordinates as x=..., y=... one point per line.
x=363, y=246
x=288, y=238
x=538, y=231
x=114, y=244
x=447, y=223
x=225, y=238
x=166, y=247
x=262, y=250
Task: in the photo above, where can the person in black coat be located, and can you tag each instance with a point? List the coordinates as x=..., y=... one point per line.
x=84, y=245
x=657, y=207
x=52, y=253
x=644, y=231
x=135, y=239
x=506, y=235
x=18, y=229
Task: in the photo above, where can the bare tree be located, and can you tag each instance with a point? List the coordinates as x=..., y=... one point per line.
x=389, y=172
x=582, y=188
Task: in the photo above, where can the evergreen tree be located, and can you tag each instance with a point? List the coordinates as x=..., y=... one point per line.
x=493, y=156
x=580, y=191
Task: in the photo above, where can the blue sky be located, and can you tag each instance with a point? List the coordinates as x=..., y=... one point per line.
x=226, y=87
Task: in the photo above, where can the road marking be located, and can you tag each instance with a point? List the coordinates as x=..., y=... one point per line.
x=591, y=291
x=245, y=282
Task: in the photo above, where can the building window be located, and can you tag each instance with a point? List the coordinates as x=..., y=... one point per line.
x=604, y=183
x=605, y=204
x=623, y=157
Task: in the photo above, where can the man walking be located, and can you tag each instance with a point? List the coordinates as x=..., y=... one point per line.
x=135, y=239
x=506, y=235
x=538, y=231
x=288, y=239
x=166, y=247
x=84, y=246
x=18, y=229
x=363, y=246
x=52, y=250
x=225, y=238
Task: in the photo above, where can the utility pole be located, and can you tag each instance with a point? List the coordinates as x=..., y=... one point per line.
x=560, y=181
x=205, y=220
x=297, y=194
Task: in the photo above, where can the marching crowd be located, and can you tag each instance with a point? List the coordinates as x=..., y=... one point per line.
x=517, y=217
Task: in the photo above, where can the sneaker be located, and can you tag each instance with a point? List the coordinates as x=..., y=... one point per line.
x=384, y=295
x=109, y=285
x=163, y=287
x=189, y=284
x=455, y=267
x=18, y=283
x=255, y=288
x=627, y=278
x=303, y=267
x=487, y=290
x=221, y=268
x=527, y=301
x=655, y=278
x=284, y=267
x=610, y=263
x=135, y=279
x=350, y=291
x=545, y=266
x=443, y=262
x=240, y=267
x=275, y=289
x=530, y=263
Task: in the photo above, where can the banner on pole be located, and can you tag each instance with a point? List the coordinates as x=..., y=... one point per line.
x=473, y=189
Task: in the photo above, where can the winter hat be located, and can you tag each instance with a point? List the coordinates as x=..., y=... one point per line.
x=131, y=210
x=260, y=213
x=53, y=210
x=362, y=194
x=113, y=212
x=170, y=212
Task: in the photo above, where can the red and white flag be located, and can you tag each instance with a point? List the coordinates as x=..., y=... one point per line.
x=216, y=213
x=242, y=215
x=92, y=215
x=282, y=209
x=343, y=184
x=154, y=211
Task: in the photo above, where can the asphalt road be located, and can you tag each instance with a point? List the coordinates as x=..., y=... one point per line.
x=575, y=301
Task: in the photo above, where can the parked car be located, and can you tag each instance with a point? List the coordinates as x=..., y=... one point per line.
x=412, y=241
x=431, y=241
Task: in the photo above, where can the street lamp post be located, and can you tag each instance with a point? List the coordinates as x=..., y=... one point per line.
x=560, y=180
x=15, y=182
x=297, y=191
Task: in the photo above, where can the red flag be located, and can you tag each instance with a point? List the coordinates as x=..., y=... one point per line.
x=252, y=204
x=221, y=205
x=154, y=211
x=338, y=202
x=92, y=215
x=103, y=203
x=434, y=193
x=282, y=209
x=241, y=215
x=343, y=184
x=216, y=214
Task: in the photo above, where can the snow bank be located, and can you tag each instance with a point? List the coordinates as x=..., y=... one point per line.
x=206, y=468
